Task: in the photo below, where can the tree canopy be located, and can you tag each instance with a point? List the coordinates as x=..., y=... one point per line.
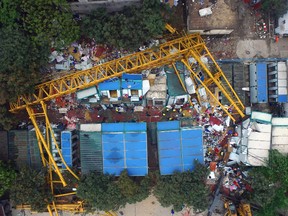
x=30, y=187
x=127, y=29
x=7, y=177
x=106, y=192
x=186, y=188
x=28, y=29
x=270, y=185
x=275, y=7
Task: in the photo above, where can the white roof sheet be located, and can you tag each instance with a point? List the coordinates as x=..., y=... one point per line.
x=261, y=116
x=280, y=135
x=90, y=127
x=259, y=143
x=280, y=122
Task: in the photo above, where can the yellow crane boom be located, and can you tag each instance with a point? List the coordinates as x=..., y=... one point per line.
x=182, y=49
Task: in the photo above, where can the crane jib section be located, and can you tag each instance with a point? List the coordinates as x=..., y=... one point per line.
x=186, y=47
x=164, y=54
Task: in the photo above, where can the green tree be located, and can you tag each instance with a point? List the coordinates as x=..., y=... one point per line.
x=275, y=7
x=270, y=185
x=30, y=188
x=20, y=60
x=92, y=25
x=134, y=190
x=186, y=188
x=127, y=29
x=100, y=191
x=50, y=21
x=7, y=177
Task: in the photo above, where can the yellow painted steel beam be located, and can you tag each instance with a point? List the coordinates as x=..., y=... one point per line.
x=186, y=63
x=228, y=91
x=44, y=143
x=170, y=28
x=181, y=82
x=164, y=54
x=239, y=102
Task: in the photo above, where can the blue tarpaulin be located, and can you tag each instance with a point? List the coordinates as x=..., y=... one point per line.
x=178, y=147
x=125, y=147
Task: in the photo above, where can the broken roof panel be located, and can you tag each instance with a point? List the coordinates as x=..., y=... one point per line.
x=174, y=86
x=259, y=144
x=261, y=117
x=280, y=134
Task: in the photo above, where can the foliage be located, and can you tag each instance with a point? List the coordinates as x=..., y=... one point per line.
x=30, y=188
x=49, y=21
x=187, y=188
x=100, y=191
x=106, y=192
x=275, y=7
x=9, y=13
x=132, y=190
x=270, y=184
x=6, y=118
x=127, y=29
x=7, y=177
x=19, y=60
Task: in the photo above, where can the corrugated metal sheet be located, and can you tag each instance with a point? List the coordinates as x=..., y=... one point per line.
x=259, y=144
x=4, y=145
x=18, y=147
x=112, y=84
x=261, y=117
x=262, y=93
x=178, y=147
x=280, y=134
x=258, y=83
x=132, y=81
x=35, y=158
x=125, y=147
x=91, y=151
x=174, y=86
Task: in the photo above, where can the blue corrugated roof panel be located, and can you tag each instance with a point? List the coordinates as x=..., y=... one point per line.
x=132, y=76
x=132, y=85
x=141, y=126
x=125, y=147
x=169, y=125
x=132, y=81
x=282, y=98
x=112, y=127
x=262, y=92
x=178, y=148
x=192, y=147
x=109, y=85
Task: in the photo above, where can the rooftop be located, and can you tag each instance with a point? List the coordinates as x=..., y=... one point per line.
x=223, y=16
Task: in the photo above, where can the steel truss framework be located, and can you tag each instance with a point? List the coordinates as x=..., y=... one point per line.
x=182, y=49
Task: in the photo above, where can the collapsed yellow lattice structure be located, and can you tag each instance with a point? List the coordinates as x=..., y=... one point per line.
x=184, y=49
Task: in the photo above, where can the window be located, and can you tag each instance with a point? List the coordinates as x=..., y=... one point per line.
x=113, y=93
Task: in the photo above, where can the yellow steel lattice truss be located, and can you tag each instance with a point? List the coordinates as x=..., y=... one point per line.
x=182, y=49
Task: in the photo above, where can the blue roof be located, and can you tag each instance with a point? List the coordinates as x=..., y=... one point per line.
x=132, y=81
x=113, y=84
x=262, y=92
x=125, y=147
x=282, y=98
x=178, y=147
x=132, y=76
